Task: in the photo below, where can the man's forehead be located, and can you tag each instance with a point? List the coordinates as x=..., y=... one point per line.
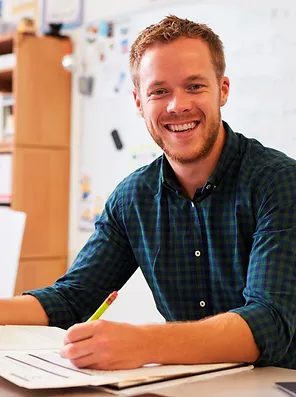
x=164, y=55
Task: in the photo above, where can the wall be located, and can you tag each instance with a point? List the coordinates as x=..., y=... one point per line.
x=135, y=295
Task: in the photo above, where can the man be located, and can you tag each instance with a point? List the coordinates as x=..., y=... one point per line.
x=211, y=225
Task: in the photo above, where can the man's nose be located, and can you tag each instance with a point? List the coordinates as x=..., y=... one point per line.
x=179, y=103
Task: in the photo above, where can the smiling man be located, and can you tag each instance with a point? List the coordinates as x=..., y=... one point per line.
x=211, y=224
x=180, y=99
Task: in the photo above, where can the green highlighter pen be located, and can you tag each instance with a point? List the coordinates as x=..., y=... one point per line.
x=104, y=306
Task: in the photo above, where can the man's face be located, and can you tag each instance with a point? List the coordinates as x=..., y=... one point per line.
x=180, y=98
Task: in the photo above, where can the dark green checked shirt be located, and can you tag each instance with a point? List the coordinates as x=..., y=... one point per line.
x=232, y=248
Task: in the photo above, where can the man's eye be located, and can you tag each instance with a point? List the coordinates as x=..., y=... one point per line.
x=159, y=92
x=195, y=87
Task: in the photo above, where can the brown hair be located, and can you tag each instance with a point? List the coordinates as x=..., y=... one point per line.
x=172, y=28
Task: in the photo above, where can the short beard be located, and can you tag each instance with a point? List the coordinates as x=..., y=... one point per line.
x=203, y=152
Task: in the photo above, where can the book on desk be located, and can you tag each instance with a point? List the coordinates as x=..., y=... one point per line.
x=29, y=357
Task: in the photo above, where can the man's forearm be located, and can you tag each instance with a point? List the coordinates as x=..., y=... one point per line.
x=22, y=310
x=222, y=338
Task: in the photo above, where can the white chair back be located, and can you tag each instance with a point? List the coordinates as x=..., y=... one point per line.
x=12, y=226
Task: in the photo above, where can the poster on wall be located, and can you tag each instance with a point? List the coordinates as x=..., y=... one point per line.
x=67, y=12
x=107, y=45
x=13, y=11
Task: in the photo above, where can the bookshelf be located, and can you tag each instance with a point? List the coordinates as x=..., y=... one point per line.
x=40, y=150
x=6, y=43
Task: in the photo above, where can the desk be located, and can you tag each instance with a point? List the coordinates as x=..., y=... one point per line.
x=256, y=383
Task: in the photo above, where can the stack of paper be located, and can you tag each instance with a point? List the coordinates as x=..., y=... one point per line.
x=22, y=337
x=37, y=368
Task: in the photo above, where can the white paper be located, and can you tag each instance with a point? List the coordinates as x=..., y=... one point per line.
x=65, y=11
x=16, y=337
x=25, y=361
x=41, y=370
x=12, y=224
x=46, y=369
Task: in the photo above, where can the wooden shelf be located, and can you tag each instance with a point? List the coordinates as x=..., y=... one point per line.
x=6, y=147
x=6, y=43
x=6, y=74
x=39, y=151
x=6, y=80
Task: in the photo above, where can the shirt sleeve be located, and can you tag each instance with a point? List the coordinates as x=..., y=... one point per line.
x=103, y=265
x=270, y=291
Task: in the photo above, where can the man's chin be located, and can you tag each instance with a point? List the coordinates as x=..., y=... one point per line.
x=183, y=159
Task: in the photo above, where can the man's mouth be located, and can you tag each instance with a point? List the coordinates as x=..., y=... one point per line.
x=182, y=127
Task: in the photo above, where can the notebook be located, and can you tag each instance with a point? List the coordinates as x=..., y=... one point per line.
x=288, y=387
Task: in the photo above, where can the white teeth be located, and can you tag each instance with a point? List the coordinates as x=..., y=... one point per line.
x=182, y=127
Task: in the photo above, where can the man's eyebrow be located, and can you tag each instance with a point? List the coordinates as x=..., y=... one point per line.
x=156, y=83
x=196, y=77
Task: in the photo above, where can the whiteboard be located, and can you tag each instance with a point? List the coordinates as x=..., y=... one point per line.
x=260, y=50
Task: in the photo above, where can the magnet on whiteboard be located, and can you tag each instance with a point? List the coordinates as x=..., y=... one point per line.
x=85, y=85
x=116, y=139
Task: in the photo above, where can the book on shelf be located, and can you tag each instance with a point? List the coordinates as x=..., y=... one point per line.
x=7, y=102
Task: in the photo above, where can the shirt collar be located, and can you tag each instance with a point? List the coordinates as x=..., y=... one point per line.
x=228, y=155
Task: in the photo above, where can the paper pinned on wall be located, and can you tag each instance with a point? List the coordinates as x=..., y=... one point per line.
x=67, y=12
x=12, y=225
x=15, y=10
x=144, y=154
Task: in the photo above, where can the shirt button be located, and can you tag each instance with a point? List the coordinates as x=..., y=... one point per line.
x=208, y=186
x=202, y=303
x=192, y=204
x=197, y=253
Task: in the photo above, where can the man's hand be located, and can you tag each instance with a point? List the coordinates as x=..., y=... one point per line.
x=105, y=345
x=108, y=345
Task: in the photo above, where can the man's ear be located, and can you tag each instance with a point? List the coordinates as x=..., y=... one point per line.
x=138, y=101
x=225, y=84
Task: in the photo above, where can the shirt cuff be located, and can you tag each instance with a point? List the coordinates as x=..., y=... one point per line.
x=59, y=314
x=269, y=336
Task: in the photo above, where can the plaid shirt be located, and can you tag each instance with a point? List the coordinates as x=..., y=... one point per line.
x=232, y=248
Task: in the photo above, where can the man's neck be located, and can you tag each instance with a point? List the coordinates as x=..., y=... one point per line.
x=193, y=176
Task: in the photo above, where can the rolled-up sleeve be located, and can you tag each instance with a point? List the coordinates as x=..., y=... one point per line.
x=104, y=264
x=270, y=291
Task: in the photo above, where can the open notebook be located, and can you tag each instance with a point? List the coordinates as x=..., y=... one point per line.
x=29, y=357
